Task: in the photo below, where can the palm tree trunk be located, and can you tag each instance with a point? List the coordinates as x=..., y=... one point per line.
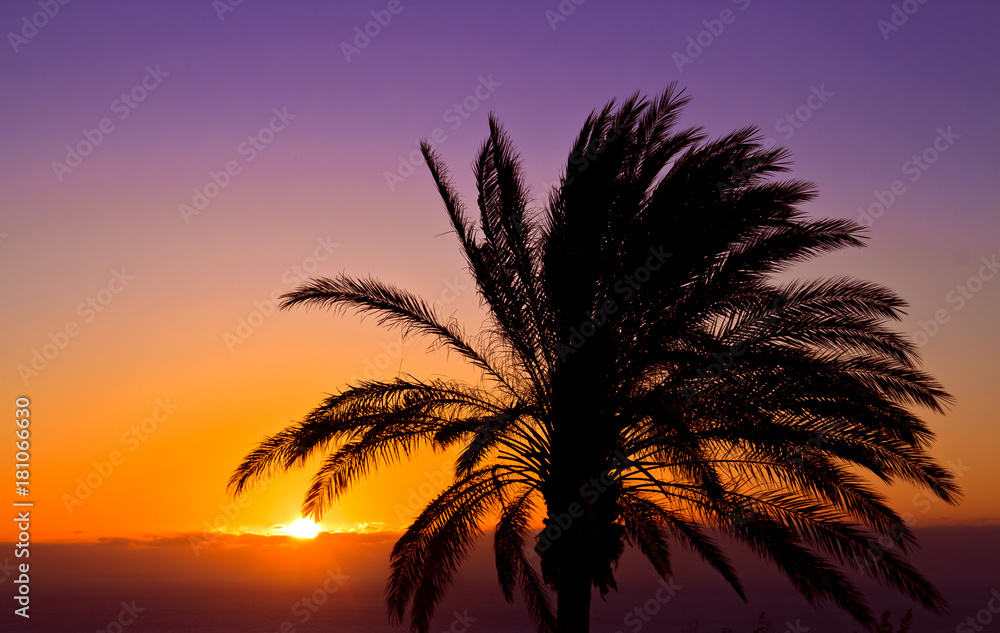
x=573, y=600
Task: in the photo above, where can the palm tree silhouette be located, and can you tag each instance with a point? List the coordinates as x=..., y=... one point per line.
x=645, y=379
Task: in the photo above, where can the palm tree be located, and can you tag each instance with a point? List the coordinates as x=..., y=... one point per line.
x=645, y=381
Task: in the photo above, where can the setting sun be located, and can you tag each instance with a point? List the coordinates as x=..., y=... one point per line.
x=303, y=528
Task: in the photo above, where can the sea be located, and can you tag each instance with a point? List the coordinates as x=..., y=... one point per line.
x=335, y=583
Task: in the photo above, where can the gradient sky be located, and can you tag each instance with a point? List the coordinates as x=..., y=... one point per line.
x=191, y=339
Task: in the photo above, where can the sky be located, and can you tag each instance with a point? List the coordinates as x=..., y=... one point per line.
x=170, y=168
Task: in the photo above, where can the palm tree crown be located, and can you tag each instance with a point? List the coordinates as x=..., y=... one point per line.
x=645, y=381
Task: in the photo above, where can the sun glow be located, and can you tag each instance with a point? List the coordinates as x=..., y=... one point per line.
x=302, y=528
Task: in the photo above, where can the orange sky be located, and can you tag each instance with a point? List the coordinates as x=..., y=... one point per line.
x=156, y=382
